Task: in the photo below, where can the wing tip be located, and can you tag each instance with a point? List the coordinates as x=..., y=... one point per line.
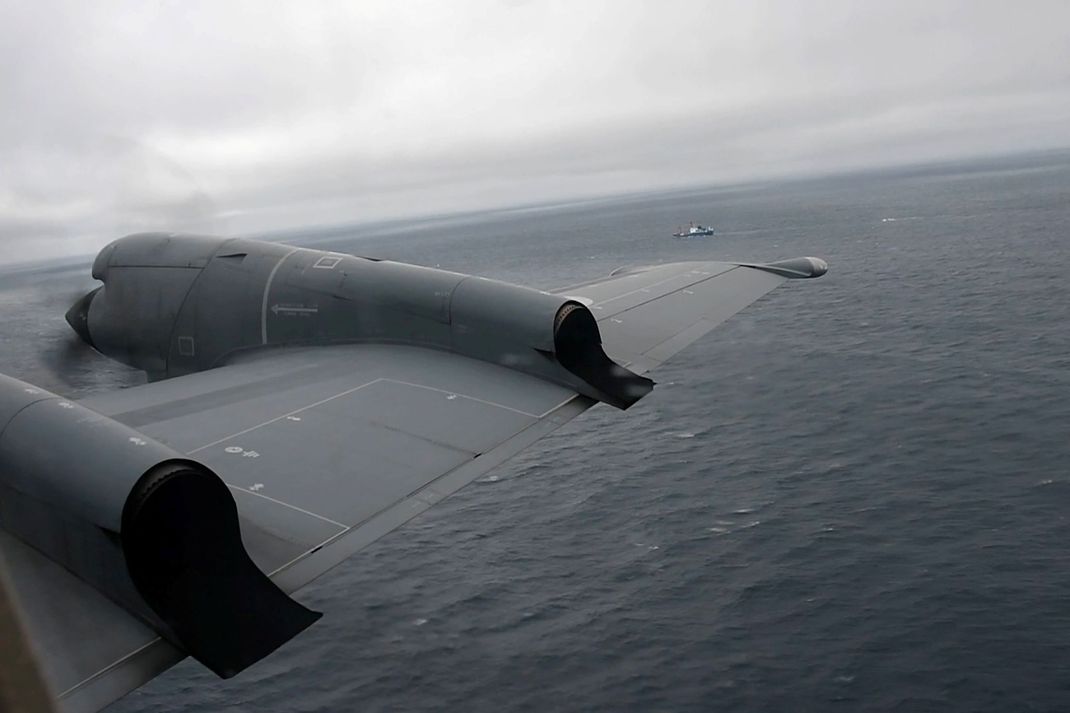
x=793, y=269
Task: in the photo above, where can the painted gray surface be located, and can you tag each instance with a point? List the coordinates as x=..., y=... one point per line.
x=656, y=329
x=160, y=307
x=327, y=448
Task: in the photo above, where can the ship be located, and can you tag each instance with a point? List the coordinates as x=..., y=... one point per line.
x=695, y=231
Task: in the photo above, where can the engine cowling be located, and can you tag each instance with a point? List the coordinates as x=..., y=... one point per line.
x=547, y=335
x=147, y=278
x=155, y=532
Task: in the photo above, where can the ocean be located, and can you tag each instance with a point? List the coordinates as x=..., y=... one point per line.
x=852, y=496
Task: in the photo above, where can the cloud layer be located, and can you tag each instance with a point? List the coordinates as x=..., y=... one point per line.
x=246, y=116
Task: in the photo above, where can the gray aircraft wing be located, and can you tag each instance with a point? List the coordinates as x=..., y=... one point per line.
x=326, y=449
x=647, y=314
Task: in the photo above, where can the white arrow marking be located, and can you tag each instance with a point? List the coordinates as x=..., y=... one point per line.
x=65, y=404
x=294, y=310
x=257, y=486
x=138, y=441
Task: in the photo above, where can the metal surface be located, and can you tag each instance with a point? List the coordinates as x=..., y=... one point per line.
x=335, y=397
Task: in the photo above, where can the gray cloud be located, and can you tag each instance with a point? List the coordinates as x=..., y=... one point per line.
x=244, y=116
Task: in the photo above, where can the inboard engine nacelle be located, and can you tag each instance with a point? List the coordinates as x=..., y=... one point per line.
x=173, y=305
x=155, y=532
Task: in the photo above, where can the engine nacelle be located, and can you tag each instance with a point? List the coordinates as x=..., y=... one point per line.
x=173, y=305
x=153, y=531
x=547, y=335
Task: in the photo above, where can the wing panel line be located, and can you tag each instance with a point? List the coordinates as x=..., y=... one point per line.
x=341, y=533
x=424, y=505
x=117, y=662
x=463, y=396
x=288, y=505
x=279, y=418
x=658, y=297
x=370, y=383
x=549, y=411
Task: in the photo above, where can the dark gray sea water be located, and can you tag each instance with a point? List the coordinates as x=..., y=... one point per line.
x=853, y=496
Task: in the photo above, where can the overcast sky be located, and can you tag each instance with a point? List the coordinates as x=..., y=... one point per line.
x=236, y=117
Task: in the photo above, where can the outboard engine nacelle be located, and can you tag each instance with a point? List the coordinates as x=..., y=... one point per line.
x=173, y=305
x=540, y=333
x=146, y=279
x=155, y=532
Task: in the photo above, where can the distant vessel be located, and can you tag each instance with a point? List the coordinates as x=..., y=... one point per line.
x=695, y=231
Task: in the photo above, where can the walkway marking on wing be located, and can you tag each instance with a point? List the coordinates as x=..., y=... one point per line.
x=292, y=415
x=240, y=489
x=414, y=497
x=267, y=289
x=455, y=394
x=451, y=395
x=417, y=498
x=285, y=415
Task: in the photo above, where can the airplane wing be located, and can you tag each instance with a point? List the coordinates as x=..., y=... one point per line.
x=648, y=314
x=326, y=449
